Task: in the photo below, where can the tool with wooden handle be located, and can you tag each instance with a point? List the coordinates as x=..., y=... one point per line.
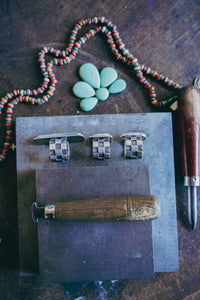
x=125, y=208
x=189, y=115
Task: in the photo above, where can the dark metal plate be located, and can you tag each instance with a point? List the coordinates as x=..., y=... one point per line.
x=157, y=153
x=76, y=251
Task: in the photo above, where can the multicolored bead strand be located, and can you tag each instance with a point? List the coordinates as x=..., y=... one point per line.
x=60, y=57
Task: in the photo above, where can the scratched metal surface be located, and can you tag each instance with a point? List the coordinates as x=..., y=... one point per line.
x=82, y=251
x=158, y=154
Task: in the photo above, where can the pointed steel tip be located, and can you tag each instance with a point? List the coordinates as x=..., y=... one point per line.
x=192, y=226
x=192, y=207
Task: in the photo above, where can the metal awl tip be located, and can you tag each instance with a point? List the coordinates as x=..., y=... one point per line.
x=192, y=207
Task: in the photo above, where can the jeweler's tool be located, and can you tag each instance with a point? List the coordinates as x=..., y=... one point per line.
x=125, y=208
x=189, y=114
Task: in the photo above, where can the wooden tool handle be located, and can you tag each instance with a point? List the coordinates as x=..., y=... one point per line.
x=189, y=115
x=125, y=208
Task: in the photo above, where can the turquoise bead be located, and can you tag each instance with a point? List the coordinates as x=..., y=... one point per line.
x=89, y=73
x=117, y=87
x=88, y=104
x=82, y=89
x=102, y=94
x=107, y=76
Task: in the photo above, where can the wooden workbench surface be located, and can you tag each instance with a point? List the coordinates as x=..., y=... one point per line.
x=163, y=35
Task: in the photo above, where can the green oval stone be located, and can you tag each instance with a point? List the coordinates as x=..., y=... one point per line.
x=118, y=86
x=83, y=90
x=102, y=94
x=88, y=104
x=107, y=76
x=89, y=73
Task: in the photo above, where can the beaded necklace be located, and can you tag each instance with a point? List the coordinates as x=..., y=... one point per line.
x=43, y=93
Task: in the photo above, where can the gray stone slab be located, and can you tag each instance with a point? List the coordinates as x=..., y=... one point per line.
x=158, y=154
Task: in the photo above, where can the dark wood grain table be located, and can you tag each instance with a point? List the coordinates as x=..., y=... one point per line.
x=163, y=35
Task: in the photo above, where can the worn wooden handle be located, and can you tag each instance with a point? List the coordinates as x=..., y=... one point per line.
x=189, y=116
x=125, y=208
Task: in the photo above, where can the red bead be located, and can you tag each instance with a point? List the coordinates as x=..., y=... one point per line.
x=154, y=102
x=108, y=33
x=139, y=74
x=118, y=56
x=147, y=85
x=166, y=79
x=55, y=61
x=67, y=60
x=142, y=79
x=87, y=36
x=118, y=40
x=6, y=144
x=45, y=49
x=142, y=67
x=137, y=67
x=78, y=26
x=77, y=45
x=72, y=56
x=91, y=31
x=108, y=23
x=103, y=28
x=109, y=40
x=54, y=81
x=154, y=73
x=61, y=62
x=148, y=70
x=116, y=33
x=112, y=46
x=153, y=95
x=57, y=53
x=4, y=100
x=9, y=95
x=45, y=86
x=10, y=105
x=72, y=37
x=176, y=86
x=152, y=88
x=95, y=20
x=75, y=31
x=15, y=101
x=50, y=93
x=40, y=90
x=170, y=83
x=45, y=98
